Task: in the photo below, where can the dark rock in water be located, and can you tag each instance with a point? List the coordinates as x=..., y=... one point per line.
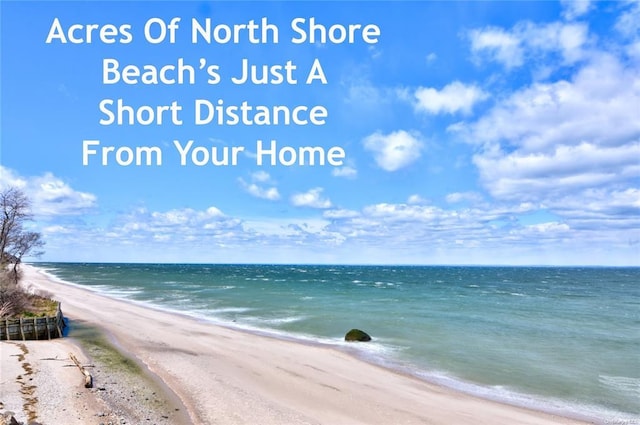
x=357, y=335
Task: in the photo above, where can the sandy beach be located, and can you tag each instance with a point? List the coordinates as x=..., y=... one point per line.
x=216, y=375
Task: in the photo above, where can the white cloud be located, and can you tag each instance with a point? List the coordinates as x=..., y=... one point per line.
x=290, y=228
x=340, y=213
x=253, y=189
x=9, y=178
x=261, y=176
x=499, y=45
x=416, y=200
x=49, y=195
x=568, y=147
x=364, y=98
x=598, y=105
x=548, y=233
x=602, y=206
x=258, y=191
x=567, y=39
x=185, y=225
x=402, y=211
x=628, y=23
x=184, y=216
x=571, y=146
x=312, y=198
x=383, y=232
x=395, y=150
x=456, y=197
x=346, y=171
x=567, y=169
x=360, y=91
x=497, y=230
x=527, y=40
x=454, y=97
x=633, y=50
x=575, y=8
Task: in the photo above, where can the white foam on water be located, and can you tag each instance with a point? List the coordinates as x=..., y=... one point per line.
x=594, y=414
x=122, y=292
x=101, y=289
x=273, y=321
x=228, y=310
x=374, y=351
x=221, y=288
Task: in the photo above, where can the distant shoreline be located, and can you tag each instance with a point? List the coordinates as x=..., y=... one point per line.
x=38, y=264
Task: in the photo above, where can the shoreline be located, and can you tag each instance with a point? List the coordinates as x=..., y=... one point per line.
x=254, y=377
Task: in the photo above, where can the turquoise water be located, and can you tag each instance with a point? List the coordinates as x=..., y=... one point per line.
x=564, y=340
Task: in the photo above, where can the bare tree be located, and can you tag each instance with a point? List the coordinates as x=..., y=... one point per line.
x=26, y=242
x=15, y=241
x=15, y=210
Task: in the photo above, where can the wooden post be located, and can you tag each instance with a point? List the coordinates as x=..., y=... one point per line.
x=21, y=330
x=35, y=327
x=48, y=329
x=88, y=380
x=6, y=329
x=58, y=320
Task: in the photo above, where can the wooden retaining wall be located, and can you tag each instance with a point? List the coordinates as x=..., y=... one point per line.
x=32, y=327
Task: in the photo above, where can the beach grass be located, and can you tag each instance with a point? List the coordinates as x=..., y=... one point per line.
x=40, y=307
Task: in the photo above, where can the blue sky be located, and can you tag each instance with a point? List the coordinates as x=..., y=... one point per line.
x=473, y=132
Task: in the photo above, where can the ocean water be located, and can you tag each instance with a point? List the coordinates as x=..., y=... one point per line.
x=563, y=340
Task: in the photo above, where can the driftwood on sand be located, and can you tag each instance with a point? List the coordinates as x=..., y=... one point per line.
x=88, y=380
